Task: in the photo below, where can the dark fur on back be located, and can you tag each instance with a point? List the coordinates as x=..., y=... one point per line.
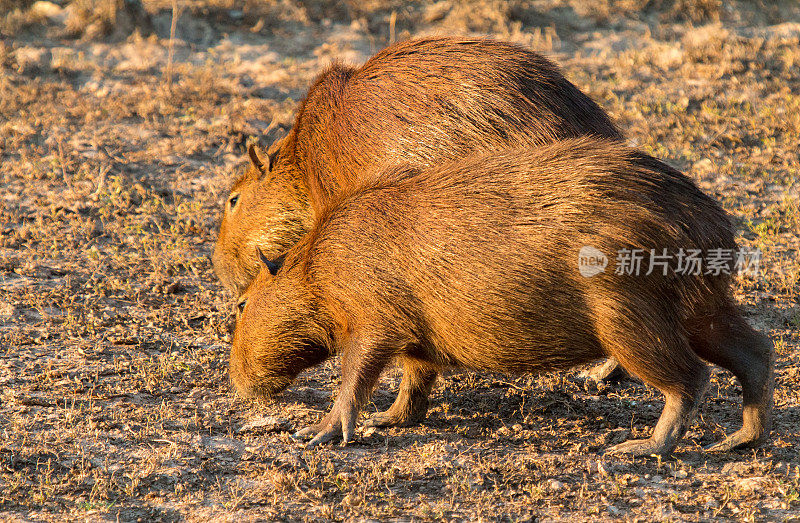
x=417, y=97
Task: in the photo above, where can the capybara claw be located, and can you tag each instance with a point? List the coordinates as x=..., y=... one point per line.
x=384, y=419
x=638, y=447
x=371, y=422
x=306, y=433
x=736, y=441
x=610, y=372
x=324, y=437
x=300, y=436
x=720, y=446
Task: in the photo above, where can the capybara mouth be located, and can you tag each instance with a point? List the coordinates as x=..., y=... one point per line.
x=264, y=388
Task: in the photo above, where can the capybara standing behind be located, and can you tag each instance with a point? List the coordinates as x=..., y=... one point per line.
x=419, y=102
x=474, y=264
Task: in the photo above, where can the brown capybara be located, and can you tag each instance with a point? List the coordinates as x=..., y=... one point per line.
x=419, y=102
x=475, y=264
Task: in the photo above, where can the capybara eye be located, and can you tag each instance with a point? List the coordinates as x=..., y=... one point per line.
x=233, y=200
x=240, y=306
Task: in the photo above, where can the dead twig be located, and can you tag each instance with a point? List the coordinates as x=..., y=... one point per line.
x=171, y=49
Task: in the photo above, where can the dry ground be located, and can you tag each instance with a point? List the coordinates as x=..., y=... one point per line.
x=114, y=400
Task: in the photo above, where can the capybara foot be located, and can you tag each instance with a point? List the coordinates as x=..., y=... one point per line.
x=641, y=447
x=609, y=371
x=741, y=439
x=411, y=405
x=388, y=418
x=338, y=424
x=319, y=434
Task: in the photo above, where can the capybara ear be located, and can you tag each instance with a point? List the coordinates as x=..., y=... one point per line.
x=272, y=265
x=256, y=154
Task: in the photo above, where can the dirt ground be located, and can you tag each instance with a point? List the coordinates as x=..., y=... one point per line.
x=117, y=146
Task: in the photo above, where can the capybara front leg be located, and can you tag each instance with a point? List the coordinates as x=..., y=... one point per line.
x=362, y=364
x=411, y=404
x=730, y=342
x=339, y=423
x=679, y=412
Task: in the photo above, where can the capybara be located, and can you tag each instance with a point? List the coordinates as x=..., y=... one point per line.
x=419, y=102
x=474, y=264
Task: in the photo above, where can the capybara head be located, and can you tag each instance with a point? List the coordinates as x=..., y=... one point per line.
x=419, y=102
x=278, y=333
x=267, y=209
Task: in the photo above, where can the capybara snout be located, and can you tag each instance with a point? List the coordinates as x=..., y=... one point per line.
x=266, y=373
x=476, y=264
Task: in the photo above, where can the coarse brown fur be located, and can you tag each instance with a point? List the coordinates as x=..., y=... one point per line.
x=475, y=265
x=419, y=102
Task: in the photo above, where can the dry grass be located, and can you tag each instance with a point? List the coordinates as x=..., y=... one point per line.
x=114, y=401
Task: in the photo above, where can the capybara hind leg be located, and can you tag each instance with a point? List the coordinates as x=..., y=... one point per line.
x=731, y=343
x=679, y=412
x=644, y=339
x=411, y=404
